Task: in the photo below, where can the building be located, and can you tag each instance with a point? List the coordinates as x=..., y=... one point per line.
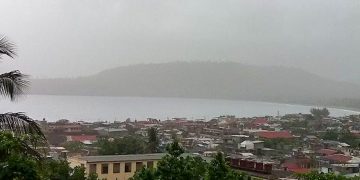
x=251, y=145
x=116, y=167
x=64, y=126
x=112, y=132
x=275, y=135
x=86, y=139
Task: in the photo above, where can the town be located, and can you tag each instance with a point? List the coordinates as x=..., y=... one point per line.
x=271, y=147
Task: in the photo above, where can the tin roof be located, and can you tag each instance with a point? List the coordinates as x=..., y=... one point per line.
x=116, y=158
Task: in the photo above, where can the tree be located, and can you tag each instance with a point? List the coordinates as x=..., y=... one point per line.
x=195, y=167
x=175, y=166
x=145, y=174
x=60, y=170
x=73, y=146
x=331, y=135
x=349, y=138
x=172, y=165
x=55, y=169
x=18, y=167
x=319, y=113
x=92, y=176
x=125, y=145
x=16, y=161
x=153, y=142
x=13, y=84
x=219, y=170
x=174, y=149
x=78, y=173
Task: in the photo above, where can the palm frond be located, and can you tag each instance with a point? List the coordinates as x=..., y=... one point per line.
x=20, y=124
x=18, y=145
x=13, y=83
x=7, y=47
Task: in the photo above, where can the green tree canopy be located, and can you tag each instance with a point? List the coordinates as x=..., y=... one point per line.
x=126, y=145
x=176, y=166
x=319, y=113
x=153, y=142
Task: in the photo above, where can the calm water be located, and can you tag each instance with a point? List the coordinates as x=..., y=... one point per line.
x=91, y=108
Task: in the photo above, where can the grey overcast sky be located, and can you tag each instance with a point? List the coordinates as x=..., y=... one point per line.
x=69, y=38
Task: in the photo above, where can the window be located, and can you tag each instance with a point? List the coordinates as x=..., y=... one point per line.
x=104, y=168
x=92, y=168
x=128, y=167
x=139, y=166
x=82, y=165
x=116, y=168
x=150, y=164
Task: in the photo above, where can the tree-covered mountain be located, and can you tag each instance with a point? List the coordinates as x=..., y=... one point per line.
x=208, y=80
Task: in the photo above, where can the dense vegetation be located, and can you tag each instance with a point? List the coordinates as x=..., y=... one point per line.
x=131, y=144
x=176, y=166
x=342, y=136
x=18, y=162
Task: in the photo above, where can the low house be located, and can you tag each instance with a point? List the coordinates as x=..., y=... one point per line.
x=275, y=135
x=345, y=169
x=86, y=139
x=116, y=166
x=295, y=168
x=338, y=159
x=326, y=152
x=251, y=145
x=111, y=132
x=117, y=132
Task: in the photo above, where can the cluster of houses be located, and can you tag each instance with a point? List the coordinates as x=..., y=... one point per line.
x=287, y=145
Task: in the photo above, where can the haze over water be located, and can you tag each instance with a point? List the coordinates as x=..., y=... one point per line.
x=94, y=108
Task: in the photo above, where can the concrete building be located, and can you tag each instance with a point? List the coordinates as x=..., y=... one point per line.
x=116, y=167
x=251, y=145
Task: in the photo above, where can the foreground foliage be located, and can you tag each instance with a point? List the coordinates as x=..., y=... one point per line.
x=176, y=166
x=21, y=140
x=131, y=144
x=17, y=163
x=12, y=85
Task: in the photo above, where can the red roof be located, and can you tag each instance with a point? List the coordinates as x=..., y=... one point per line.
x=340, y=158
x=290, y=165
x=326, y=152
x=300, y=170
x=82, y=138
x=260, y=121
x=293, y=167
x=275, y=134
x=357, y=134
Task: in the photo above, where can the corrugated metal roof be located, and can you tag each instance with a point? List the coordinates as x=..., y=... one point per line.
x=130, y=157
x=133, y=157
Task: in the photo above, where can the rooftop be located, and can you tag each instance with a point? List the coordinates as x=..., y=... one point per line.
x=130, y=157
x=338, y=158
x=275, y=134
x=327, y=151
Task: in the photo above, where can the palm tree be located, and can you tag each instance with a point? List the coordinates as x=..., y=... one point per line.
x=13, y=84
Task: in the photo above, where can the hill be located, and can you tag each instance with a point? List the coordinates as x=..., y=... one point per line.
x=208, y=80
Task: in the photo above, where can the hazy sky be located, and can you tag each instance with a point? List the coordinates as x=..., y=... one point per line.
x=67, y=38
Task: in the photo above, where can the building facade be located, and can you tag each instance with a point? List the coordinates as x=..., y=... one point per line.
x=116, y=167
